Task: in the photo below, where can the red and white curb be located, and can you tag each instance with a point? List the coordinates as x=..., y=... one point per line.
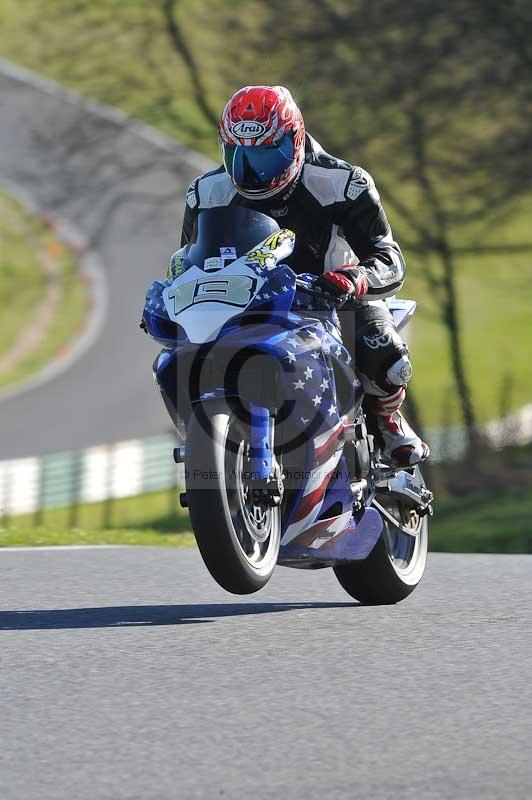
x=92, y=273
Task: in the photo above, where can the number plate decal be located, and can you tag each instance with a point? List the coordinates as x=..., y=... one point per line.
x=202, y=303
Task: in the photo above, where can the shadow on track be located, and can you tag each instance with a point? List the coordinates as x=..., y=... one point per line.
x=125, y=616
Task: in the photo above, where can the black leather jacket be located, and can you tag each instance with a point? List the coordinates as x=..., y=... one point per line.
x=333, y=208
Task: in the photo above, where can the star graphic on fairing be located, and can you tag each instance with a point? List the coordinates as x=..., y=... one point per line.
x=314, y=335
x=316, y=400
x=286, y=289
x=305, y=421
x=290, y=356
x=315, y=355
x=332, y=410
x=338, y=351
x=293, y=341
x=308, y=372
x=299, y=385
x=324, y=384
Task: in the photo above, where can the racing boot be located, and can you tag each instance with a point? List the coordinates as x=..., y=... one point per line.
x=401, y=446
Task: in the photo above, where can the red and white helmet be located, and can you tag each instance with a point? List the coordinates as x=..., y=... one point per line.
x=262, y=139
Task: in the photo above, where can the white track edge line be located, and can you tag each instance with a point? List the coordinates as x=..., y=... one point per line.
x=37, y=548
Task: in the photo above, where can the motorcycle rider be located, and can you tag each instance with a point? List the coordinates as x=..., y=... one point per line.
x=272, y=165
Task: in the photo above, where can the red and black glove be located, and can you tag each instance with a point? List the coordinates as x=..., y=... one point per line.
x=346, y=281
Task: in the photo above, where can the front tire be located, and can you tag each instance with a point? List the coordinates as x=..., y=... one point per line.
x=238, y=540
x=396, y=564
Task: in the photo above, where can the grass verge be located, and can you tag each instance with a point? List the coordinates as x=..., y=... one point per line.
x=150, y=519
x=478, y=523
x=484, y=523
x=31, y=260
x=44, y=536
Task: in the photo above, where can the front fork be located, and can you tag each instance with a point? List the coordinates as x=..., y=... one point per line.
x=261, y=443
x=265, y=475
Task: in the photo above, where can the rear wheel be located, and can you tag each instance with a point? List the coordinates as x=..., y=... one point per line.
x=237, y=538
x=396, y=564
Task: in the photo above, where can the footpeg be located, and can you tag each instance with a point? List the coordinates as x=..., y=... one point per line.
x=423, y=511
x=183, y=501
x=179, y=454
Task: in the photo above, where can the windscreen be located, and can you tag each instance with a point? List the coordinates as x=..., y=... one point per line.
x=224, y=234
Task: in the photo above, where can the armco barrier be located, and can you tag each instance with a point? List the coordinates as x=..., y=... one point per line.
x=138, y=466
x=102, y=473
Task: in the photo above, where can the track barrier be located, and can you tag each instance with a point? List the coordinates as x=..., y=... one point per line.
x=100, y=474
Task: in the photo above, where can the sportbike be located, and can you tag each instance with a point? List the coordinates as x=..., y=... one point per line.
x=278, y=461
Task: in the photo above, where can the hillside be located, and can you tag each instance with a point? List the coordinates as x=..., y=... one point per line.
x=174, y=65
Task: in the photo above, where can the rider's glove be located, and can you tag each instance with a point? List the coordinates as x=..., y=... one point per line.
x=349, y=280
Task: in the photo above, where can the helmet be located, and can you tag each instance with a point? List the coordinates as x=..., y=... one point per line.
x=262, y=139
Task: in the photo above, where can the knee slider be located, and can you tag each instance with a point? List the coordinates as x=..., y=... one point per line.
x=400, y=372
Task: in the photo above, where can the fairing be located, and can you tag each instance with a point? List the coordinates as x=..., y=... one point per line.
x=306, y=353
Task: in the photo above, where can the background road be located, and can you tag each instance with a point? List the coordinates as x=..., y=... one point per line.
x=123, y=186
x=130, y=674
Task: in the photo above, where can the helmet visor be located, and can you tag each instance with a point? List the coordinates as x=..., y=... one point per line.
x=256, y=166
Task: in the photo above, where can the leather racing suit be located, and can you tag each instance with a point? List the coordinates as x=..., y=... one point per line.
x=336, y=213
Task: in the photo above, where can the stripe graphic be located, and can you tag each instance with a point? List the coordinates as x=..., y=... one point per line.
x=316, y=487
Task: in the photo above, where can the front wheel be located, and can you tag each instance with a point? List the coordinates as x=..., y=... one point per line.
x=396, y=564
x=238, y=539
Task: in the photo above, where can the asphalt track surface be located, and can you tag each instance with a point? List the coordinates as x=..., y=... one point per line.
x=128, y=674
x=122, y=185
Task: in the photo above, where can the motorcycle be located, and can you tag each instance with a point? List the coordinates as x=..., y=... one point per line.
x=279, y=463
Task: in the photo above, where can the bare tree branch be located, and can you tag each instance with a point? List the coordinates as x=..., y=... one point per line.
x=181, y=47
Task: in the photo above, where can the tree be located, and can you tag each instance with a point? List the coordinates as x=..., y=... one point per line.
x=433, y=97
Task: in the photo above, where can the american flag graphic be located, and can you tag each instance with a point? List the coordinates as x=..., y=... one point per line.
x=326, y=455
x=309, y=382
x=311, y=386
